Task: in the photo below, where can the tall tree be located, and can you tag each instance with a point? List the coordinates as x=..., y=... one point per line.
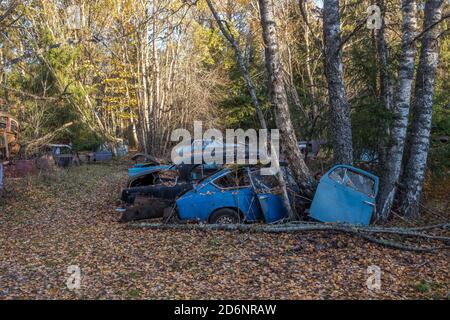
x=252, y=91
x=386, y=85
x=7, y=10
x=394, y=154
x=223, y=26
x=340, y=108
x=416, y=160
x=386, y=81
x=278, y=96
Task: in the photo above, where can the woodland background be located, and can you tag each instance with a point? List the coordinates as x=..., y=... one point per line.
x=138, y=69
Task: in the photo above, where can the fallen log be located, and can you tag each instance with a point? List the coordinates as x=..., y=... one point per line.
x=435, y=226
x=362, y=232
x=34, y=145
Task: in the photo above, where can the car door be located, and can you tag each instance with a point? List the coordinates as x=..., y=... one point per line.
x=345, y=195
x=267, y=190
x=236, y=187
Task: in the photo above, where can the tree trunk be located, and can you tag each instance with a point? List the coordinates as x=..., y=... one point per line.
x=416, y=161
x=394, y=153
x=8, y=12
x=256, y=104
x=386, y=85
x=340, y=108
x=386, y=81
x=305, y=9
x=242, y=65
x=278, y=97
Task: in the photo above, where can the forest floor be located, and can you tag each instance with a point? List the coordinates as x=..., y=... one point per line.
x=50, y=222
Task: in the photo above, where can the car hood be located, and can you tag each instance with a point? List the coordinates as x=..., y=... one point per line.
x=135, y=172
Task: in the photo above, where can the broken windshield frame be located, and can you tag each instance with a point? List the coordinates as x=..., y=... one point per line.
x=354, y=180
x=244, y=174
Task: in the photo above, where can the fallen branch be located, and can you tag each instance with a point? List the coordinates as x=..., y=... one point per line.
x=30, y=95
x=397, y=245
x=405, y=232
x=36, y=144
x=435, y=226
x=362, y=232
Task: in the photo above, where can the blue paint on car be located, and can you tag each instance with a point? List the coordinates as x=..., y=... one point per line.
x=145, y=168
x=208, y=197
x=272, y=207
x=245, y=191
x=345, y=195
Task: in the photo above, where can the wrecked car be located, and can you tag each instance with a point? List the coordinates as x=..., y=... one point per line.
x=9, y=136
x=102, y=153
x=62, y=154
x=168, y=182
x=160, y=190
x=198, y=148
x=151, y=175
x=345, y=195
x=233, y=196
x=145, y=168
x=148, y=176
x=122, y=148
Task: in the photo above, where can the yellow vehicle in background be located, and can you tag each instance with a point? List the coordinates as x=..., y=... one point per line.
x=9, y=136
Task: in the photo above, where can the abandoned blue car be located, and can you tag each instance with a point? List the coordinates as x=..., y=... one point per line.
x=233, y=196
x=345, y=194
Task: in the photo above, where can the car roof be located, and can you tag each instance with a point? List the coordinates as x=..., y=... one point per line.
x=236, y=167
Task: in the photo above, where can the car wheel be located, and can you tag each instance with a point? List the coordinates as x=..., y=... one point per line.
x=224, y=216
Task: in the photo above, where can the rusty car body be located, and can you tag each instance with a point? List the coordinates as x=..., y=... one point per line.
x=9, y=141
x=149, y=194
x=9, y=136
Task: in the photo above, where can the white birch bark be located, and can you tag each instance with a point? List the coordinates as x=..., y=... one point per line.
x=416, y=158
x=256, y=104
x=394, y=152
x=278, y=97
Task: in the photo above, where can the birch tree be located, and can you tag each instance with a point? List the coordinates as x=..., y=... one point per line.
x=385, y=76
x=278, y=96
x=340, y=108
x=386, y=85
x=252, y=91
x=6, y=10
x=416, y=159
x=394, y=153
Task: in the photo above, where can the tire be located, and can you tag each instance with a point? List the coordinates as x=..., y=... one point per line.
x=224, y=216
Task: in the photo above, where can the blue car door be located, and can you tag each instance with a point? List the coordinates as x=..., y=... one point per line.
x=235, y=188
x=345, y=195
x=271, y=203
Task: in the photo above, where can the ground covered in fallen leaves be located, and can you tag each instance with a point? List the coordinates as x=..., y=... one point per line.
x=52, y=221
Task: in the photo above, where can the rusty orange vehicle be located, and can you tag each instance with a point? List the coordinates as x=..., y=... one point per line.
x=9, y=136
